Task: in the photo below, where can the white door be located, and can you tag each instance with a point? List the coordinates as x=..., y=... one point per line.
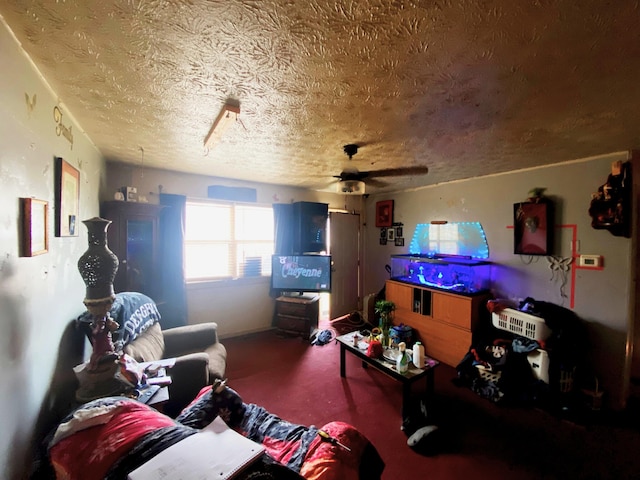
x=344, y=246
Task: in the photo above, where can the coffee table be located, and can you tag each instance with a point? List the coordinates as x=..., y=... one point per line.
x=407, y=379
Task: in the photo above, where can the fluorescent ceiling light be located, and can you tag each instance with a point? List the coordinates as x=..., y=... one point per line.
x=227, y=117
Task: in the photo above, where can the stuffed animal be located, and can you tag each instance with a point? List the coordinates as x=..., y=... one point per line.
x=493, y=357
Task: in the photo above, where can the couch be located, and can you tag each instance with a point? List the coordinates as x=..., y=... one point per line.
x=199, y=356
x=111, y=435
x=134, y=433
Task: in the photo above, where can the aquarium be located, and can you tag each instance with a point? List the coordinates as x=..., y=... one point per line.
x=460, y=239
x=455, y=274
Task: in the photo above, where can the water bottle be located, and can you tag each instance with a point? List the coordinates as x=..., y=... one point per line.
x=418, y=355
x=402, y=362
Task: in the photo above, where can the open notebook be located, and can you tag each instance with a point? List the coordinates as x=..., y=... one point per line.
x=216, y=452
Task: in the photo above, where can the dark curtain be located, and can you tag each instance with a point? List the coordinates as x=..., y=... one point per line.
x=173, y=309
x=284, y=226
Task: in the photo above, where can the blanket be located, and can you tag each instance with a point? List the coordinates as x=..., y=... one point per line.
x=110, y=437
x=134, y=312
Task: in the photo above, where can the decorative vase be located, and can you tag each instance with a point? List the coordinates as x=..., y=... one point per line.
x=98, y=265
x=385, y=325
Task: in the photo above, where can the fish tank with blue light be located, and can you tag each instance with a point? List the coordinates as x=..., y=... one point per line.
x=446, y=256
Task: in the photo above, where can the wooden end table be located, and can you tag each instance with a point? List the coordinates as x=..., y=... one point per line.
x=407, y=379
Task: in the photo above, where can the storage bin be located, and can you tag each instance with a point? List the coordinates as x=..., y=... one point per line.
x=539, y=361
x=521, y=323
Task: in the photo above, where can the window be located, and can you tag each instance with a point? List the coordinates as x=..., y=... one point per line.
x=227, y=240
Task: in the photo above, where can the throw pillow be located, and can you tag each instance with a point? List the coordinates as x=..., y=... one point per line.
x=147, y=347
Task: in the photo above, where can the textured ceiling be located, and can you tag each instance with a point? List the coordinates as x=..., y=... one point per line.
x=465, y=88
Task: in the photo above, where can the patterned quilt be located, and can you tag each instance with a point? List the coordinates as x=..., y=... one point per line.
x=111, y=437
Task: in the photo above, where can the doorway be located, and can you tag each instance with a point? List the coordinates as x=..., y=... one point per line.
x=344, y=247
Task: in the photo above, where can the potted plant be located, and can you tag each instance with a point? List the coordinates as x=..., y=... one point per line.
x=384, y=308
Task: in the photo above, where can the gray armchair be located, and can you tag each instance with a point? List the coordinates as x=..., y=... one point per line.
x=200, y=357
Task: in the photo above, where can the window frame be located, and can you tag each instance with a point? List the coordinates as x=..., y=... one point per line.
x=235, y=272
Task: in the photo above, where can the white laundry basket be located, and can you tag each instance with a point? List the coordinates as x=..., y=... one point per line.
x=521, y=323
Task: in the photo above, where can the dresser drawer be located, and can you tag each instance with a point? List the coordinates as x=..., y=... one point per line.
x=294, y=309
x=293, y=324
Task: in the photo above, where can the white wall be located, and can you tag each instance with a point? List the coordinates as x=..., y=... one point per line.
x=39, y=296
x=238, y=306
x=601, y=297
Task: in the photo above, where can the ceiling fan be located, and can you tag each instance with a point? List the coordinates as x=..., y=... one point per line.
x=352, y=181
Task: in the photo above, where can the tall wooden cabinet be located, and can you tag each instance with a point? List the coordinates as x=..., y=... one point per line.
x=443, y=321
x=134, y=237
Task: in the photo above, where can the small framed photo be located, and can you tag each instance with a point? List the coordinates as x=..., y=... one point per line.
x=399, y=242
x=383, y=232
x=384, y=213
x=383, y=241
x=391, y=234
x=35, y=227
x=67, y=198
x=398, y=232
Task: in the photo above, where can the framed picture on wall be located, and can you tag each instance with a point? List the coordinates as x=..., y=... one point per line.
x=533, y=228
x=391, y=234
x=384, y=213
x=67, y=199
x=35, y=227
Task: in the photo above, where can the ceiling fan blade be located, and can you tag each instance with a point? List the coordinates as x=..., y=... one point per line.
x=396, y=172
x=352, y=175
x=332, y=182
x=375, y=183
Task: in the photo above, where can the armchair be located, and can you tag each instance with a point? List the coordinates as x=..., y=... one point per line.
x=200, y=357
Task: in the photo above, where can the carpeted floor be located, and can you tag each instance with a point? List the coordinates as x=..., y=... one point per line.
x=478, y=439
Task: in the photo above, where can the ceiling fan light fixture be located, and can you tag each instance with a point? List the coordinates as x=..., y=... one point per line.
x=227, y=117
x=351, y=187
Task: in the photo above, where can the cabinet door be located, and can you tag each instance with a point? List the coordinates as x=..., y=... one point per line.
x=452, y=309
x=401, y=295
x=133, y=237
x=444, y=342
x=139, y=256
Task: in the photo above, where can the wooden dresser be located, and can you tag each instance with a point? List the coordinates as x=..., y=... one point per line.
x=297, y=314
x=443, y=321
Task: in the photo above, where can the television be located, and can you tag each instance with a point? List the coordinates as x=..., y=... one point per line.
x=301, y=273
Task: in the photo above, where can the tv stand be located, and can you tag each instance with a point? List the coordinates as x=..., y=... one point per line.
x=297, y=314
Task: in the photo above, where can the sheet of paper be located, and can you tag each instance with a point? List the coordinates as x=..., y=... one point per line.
x=216, y=452
x=165, y=362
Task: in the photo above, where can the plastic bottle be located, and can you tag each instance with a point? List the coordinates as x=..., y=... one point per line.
x=418, y=355
x=402, y=362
